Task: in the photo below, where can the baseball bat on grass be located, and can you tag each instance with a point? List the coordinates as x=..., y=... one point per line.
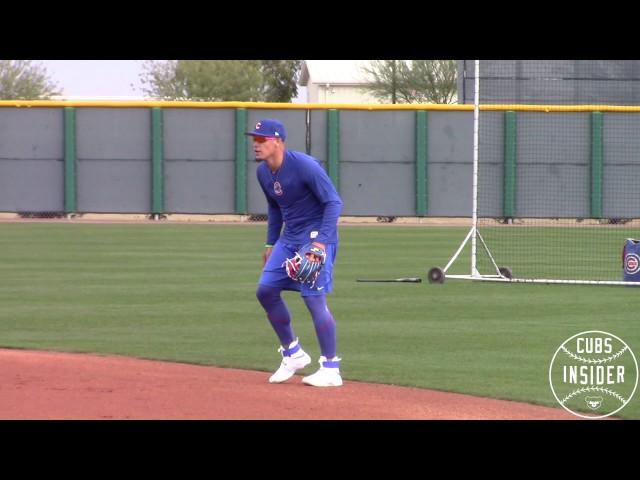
x=395, y=280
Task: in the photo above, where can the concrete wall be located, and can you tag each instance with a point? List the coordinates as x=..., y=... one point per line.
x=114, y=160
x=199, y=153
x=376, y=161
x=31, y=159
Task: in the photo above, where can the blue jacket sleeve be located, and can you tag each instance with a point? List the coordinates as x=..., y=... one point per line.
x=322, y=187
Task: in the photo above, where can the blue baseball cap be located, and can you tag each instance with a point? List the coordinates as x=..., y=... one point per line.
x=269, y=128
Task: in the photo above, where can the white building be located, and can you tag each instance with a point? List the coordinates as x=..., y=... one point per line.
x=335, y=81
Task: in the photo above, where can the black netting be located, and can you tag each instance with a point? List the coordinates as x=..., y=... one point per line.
x=558, y=165
x=552, y=82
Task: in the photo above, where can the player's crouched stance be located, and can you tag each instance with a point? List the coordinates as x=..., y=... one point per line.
x=306, y=266
x=308, y=270
x=299, y=195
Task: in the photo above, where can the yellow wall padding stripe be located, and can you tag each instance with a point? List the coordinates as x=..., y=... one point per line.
x=192, y=104
x=562, y=108
x=307, y=106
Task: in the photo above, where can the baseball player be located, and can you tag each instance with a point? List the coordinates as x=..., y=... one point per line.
x=299, y=194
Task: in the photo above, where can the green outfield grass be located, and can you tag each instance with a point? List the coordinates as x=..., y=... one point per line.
x=186, y=293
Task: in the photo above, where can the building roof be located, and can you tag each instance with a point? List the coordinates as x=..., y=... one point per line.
x=346, y=72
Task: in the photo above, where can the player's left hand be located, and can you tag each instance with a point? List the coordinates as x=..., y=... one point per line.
x=316, y=252
x=307, y=263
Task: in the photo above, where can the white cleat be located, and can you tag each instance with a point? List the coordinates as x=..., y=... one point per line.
x=327, y=376
x=293, y=359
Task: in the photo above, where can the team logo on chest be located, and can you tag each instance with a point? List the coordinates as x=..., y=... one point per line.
x=277, y=188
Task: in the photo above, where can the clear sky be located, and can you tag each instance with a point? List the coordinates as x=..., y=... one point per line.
x=96, y=77
x=91, y=78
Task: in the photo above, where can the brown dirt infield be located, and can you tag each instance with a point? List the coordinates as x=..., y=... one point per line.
x=39, y=385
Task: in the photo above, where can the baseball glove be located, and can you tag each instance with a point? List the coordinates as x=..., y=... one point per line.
x=306, y=264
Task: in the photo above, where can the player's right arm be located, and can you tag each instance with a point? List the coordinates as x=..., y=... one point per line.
x=274, y=226
x=274, y=222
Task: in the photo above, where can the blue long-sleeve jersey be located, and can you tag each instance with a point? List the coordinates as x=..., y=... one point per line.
x=301, y=195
